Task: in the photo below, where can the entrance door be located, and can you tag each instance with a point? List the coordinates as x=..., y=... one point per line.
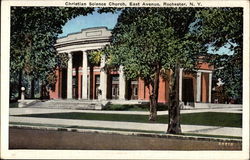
x=97, y=86
x=115, y=91
x=115, y=87
x=134, y=90
x=64, y=83
x=75, y=87
x=187, y=90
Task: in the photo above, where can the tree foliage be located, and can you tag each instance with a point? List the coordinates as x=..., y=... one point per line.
x=94, y=56
x=149, y=42
x=219, y=27
x=34, y=31
x=147, y=37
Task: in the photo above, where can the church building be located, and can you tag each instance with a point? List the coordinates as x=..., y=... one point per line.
x=81, y=81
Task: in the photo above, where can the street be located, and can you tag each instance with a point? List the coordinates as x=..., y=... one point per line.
x=25, y=138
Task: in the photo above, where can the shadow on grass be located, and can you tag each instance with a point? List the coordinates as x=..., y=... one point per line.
x=13, y=105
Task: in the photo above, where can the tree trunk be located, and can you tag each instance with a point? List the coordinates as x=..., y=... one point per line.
x=154, y=96
x=174, y=126
x=32, y=88
x=153, y=108
x=19, y=84
x=41, y=91
x=44, y=92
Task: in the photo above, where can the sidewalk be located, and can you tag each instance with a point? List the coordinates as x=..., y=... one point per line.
x=196, y=129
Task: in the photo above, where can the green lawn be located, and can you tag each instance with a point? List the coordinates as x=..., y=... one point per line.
x=14, y=105
x=206, y=118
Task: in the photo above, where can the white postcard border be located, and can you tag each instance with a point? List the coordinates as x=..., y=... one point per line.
x=113, y=154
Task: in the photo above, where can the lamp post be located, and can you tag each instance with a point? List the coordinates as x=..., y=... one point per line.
x=22, y=93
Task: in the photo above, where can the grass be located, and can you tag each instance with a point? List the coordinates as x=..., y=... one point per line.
x=213, y=119
x=126, y=107
x=118, y=129
x=133, y=107
x=13, y=105
x=206, y=118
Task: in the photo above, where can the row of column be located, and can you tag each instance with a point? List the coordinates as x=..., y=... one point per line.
x=198, y=86
x=84, y=76
x=103, y=79
x=122, y=81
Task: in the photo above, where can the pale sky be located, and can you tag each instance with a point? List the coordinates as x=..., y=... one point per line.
x=91, y=20
x=223, y=50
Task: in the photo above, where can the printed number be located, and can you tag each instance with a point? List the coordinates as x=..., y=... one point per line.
x=225, y=144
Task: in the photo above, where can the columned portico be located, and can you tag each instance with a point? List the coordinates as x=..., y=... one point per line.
x=210, y=88
x=198, y=86
x=122, y=84
x=69, y=77
x=103, y=80
x=84, y=75
x=81, y=83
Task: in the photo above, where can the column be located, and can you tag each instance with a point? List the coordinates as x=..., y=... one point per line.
x=210, y=88
x=198, y=92
x=89, y=90
x=84, y=75
x=103, y=80
x=69, y=77
x=180, y=84
x=122, y=84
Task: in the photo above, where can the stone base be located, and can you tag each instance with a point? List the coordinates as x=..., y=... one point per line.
x=26, y=103
x=216, y=105
x=71, y=104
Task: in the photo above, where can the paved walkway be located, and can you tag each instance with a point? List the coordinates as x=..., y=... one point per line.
x=211, y=130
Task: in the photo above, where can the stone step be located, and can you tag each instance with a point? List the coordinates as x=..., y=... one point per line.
x=216, y=105
x=69, y=104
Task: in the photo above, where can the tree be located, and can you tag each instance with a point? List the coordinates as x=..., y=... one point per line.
x=152, y=42
x=34, y=31
x=218, y=27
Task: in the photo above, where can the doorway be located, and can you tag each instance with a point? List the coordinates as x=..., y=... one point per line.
x=187, y=90
x=64, y=84
x=134, y=89
x=115, y=87
x=97, y=86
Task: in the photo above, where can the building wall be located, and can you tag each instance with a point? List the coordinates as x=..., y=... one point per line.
x=163, y=90
x=55, y=91
x=143, y=91
x=204, y=84
x=205, y=66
